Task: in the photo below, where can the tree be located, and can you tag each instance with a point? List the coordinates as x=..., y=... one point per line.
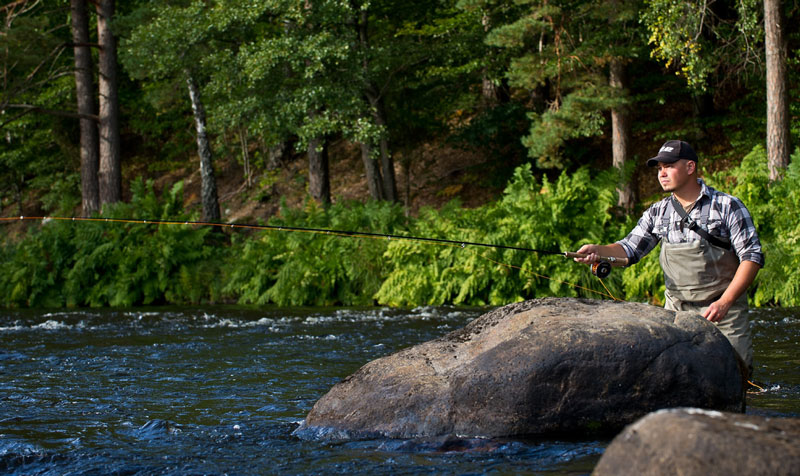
x=620, y=133
x=36, y=105
x=84, y=93
x=31, y=58
x=319, y=183
x=184, y=37
x=778, y=137
x=110, y=172
x=380, y=178
x=723, y=44
x=210, y=205
x=705, y=41
x=423, y=66
x=567, y=49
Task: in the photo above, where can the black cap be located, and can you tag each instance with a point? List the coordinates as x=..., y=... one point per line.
x=672, y=151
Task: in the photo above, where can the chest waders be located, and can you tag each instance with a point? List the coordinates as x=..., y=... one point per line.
x=697, y=273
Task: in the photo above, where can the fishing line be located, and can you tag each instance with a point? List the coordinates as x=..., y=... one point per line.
x=601, y=269
x=578, y=286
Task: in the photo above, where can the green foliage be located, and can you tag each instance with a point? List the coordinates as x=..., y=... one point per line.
x=557, y=216
x=562, y=50
x=581, y=114
x=302, y=268
x=644, y=281
x=675, y=29
x=697, y=41
x=772, y=206
x=37, y=151
x=65, y=263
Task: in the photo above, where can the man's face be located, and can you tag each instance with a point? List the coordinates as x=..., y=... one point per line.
x=675, y=175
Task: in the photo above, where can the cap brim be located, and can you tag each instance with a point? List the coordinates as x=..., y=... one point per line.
x=667, y=160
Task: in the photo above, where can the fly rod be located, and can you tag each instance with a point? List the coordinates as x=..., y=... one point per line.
x=601, y=268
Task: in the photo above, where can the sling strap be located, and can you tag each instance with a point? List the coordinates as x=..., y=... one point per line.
x=714, y=240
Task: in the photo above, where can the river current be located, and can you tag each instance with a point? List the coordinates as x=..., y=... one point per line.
x=219, y=390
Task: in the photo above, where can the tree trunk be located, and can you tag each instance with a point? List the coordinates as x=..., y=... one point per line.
x=84, y=92
x=248, y=173
x=375, y=104
x=406, y=163
x=276, y=155
x=208, y=184
x=373, y=171
x=319, y=184
x=489, y=93
x=620, y=134
x=386, y=160
x=109, y=172
x=777, y=93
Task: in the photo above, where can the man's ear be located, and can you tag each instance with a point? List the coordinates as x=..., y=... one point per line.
x=691, y=166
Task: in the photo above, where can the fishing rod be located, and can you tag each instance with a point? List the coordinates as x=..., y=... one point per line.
x=601, y=268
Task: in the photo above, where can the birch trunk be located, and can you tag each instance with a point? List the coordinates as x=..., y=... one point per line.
x=208, y=184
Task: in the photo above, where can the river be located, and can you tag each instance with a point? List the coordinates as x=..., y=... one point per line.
x=219, y=390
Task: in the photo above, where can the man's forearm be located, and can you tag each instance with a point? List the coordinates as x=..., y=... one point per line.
x=616, y=250
x=742, y=280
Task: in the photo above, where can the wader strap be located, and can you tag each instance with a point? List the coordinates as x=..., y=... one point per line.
x=714, y=240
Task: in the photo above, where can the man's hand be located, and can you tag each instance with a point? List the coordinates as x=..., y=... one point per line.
x=592, y=253
x=717, y=310
x=744, y=276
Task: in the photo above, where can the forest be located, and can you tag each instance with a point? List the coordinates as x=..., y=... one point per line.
x=335, y=115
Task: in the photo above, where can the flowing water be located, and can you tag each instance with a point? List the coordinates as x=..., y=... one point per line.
x=220, y=390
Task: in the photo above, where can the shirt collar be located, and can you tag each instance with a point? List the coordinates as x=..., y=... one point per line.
x=704, y=189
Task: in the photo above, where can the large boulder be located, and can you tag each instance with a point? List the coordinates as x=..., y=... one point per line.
x=701, y=442
x=537, y=367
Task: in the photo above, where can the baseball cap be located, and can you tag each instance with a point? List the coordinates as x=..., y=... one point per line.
x=672, y=151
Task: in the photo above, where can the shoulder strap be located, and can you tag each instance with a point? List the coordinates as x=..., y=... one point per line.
x=714, y=240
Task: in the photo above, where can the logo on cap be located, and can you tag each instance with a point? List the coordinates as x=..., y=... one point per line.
x=665, y=149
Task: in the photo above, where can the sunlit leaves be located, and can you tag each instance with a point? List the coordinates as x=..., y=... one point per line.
x=695, y=40
x=545, y=216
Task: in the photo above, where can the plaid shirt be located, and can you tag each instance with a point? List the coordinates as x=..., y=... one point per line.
x=727, y=218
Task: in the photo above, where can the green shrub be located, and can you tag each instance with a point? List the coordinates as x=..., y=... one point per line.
x=559, y=216
x=66, y=263
x=293, y=268
x=773, y=206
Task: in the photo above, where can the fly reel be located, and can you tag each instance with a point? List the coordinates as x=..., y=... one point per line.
x=601, y=269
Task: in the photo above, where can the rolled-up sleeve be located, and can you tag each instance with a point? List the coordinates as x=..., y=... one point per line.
x=744, y=236
x=641, y=240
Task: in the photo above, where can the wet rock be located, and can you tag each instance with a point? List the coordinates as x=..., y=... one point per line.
x=538, y=367
x=700, y=442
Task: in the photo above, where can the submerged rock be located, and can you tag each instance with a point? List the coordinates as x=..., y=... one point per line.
x=537, y=367
x=700, y=442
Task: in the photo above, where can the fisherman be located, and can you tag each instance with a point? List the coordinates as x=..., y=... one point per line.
x=710, y=252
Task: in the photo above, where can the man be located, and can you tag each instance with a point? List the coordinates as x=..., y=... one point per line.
x=710, y=252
